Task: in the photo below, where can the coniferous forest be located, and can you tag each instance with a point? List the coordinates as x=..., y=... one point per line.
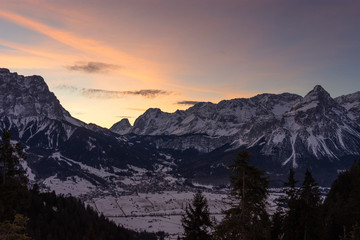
x=32, y=215
x=28, y=214
x=301, y=214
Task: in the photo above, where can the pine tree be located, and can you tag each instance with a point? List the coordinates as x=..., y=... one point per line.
x=277, y=222
x=302, y=219
x=247, y=219
x=309, y=203
x=14, y=197
x=291, y=203
x=10, y=157
x=15, y=230
x=196, y=221
x=355, y=233
x=341, y=208
x=290, y=188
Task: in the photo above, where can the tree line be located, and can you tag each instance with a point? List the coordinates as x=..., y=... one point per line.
x=27, y=214
x=300, y=213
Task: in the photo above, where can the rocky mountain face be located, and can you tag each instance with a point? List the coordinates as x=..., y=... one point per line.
x=23, y=97
x=220, y=123
x=226, y=118
x=64, y=151
x=121, y=127
x=286, y=130
x=319, y=127
x=352, y=104
x=27, y=105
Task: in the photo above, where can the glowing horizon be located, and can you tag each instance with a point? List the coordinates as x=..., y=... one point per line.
x=118, y=58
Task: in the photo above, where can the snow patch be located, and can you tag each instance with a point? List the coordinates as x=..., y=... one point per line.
x=293, y=153
x=74, y=186
x=30, y=175
x=311, y=105
x=98, y=172
x=188, y=119
x=278, y=138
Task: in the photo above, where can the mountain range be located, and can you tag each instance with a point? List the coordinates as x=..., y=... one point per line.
x=281, y=131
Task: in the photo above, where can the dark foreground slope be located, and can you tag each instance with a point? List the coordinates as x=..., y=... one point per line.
x=45, y=216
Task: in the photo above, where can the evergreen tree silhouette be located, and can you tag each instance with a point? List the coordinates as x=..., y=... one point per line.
x=196, y=221
x=10, y=157
x=247, y=219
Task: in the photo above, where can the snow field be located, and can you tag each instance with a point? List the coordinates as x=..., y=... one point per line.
x=156, y=211
x=73, y=186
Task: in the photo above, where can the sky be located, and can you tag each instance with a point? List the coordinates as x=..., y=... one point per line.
x=106, y=60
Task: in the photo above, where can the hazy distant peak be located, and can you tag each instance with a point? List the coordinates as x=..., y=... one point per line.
x=121, y=127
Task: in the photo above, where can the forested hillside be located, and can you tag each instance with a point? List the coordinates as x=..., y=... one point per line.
x=29, y=214
x=301, y=214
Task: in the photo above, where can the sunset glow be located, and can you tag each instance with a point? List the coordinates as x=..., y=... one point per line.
x=108, y=60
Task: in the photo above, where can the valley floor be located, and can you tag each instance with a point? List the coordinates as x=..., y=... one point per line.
x=161, y=211
x=147, y=203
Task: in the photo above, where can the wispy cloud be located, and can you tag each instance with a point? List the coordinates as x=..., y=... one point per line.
x=101, y=93
x=188, y=102
x=140, y=68
x=92, y=67
x=124, y=116
x=68, y=88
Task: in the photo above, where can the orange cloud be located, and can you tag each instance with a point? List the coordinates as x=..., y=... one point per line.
x=38, y=51
x=93, y=49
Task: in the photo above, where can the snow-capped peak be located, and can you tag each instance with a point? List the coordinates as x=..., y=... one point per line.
x=315, y=125
x=121, y=127
x=317, y=100
x=23, y=97
x=318, y=94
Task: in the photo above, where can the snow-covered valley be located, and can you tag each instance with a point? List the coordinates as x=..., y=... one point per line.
x=130, y=204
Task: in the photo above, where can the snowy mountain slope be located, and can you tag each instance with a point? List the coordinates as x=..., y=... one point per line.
x=24, y=97
x=351, y=103
x=32, y=112
x=320, y=126
x=223, y=119
x=121, y=127
x=62, y=149
x=287, y=129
